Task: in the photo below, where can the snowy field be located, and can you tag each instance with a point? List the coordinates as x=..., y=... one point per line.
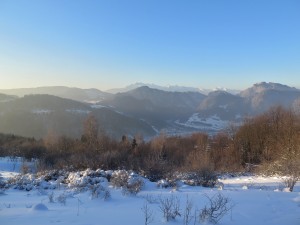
x=254, y=200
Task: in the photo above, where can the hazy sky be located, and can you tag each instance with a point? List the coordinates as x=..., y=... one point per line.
x=110, y=43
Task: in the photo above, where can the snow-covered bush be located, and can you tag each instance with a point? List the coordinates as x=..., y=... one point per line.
x=130, y=183
x=162, y=183
x=174, y=183
x=22, y=182
x=55, y=179
x=77, y=181
x=82, y=181
x=98, y=191
x=53, y=175
x=119, y=178
x=134, y=185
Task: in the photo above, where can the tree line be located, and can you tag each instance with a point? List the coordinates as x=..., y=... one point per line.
x=268, y=143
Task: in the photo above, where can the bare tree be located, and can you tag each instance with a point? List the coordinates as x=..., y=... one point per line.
x=90, y=133
x=289, y=162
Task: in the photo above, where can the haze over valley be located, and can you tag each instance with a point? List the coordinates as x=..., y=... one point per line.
x=137, y=109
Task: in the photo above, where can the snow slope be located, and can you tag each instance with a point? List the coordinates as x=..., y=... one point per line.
x=256, y=201
x=212, y=123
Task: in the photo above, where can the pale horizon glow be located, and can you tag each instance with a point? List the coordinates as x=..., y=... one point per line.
x=112, y=44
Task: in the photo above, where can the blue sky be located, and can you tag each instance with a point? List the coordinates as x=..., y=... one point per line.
x=109, y=43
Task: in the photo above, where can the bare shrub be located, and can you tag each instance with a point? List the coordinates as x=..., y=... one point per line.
x=2, y=191
x=219, y=185
x=2, y=185
x=290, y=182
x=207, y=177
x=51, y=197
x=25, y=168
x=217, y=207
x=187, y=214
x=151, y=199
x=8, y=206
x=62, y=199
x=28, y=206
x=170, y=207
x=148, y=214
x=204, y=177
x=154, y=167
x=172, y=180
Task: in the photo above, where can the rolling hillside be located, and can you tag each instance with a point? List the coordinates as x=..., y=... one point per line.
x=142, y=110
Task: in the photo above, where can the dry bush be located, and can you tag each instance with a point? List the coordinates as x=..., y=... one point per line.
x=51, y=197
x=154, y=168
x=62, y=199
x=148, y=214
x=170, y=207
x=205, y=177
x=216, y=209
x=290, y=182
x=25, y=168
x=187, y=214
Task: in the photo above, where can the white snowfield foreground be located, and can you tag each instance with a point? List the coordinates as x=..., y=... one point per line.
x=255, y=201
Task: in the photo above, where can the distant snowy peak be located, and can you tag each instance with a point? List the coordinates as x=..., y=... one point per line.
x=156, y=100
x=170, y=88
x=219, y=93
x=231, y=91
x=264, y=86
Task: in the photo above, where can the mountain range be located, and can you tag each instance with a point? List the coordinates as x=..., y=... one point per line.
x=170, y=88
x=77, y=94
x=142, y=110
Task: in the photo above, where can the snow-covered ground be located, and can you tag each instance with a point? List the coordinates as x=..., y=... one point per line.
x=256, y=200
x=209, y=123
x=78, y=111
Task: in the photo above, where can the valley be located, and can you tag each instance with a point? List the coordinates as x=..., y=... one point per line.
x=138, y=109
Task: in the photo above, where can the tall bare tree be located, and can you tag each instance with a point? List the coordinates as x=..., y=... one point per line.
x=90, y=130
